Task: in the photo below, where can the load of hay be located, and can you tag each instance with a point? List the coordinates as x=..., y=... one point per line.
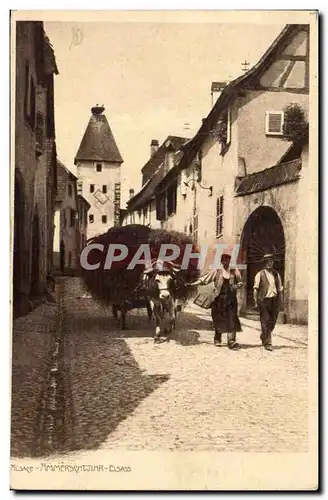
x=117, y=284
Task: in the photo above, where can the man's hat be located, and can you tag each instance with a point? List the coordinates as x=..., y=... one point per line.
x=268, y=256
x=226, y=253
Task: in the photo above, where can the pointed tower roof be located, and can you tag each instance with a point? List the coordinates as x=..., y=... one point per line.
x=98, y=143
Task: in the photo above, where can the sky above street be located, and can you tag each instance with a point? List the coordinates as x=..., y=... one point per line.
x=152, y=78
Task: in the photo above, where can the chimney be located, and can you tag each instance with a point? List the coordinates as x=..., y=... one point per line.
x=153, y=146
x=131, y=193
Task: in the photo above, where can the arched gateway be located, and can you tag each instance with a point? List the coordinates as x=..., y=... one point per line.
x=263, y=233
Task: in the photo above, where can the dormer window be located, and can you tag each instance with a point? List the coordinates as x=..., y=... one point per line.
x=98, y=167
x=168, y=161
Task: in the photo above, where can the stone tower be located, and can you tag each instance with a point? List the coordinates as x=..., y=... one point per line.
x=98, y=162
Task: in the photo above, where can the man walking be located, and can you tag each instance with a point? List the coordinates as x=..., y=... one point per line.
x=267, y=298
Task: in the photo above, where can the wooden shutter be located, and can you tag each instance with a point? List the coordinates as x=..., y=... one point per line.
x=160, y=206
x=219, y=216
x=171, y=199
x=117, y=203
x=274, y=122
x=175, y=188
x=183, y=186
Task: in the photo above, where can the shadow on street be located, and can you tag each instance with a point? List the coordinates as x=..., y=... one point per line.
x=107, y=384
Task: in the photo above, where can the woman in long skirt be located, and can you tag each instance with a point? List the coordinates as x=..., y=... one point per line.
x=224, y=306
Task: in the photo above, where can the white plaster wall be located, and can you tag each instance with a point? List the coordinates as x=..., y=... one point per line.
x=260, y=150
x=110, y=175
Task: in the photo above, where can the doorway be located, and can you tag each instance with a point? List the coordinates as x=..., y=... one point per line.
x=263, y=233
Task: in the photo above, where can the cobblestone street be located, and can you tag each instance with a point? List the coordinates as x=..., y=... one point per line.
x=127, y=393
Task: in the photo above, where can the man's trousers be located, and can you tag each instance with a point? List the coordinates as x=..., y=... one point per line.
x=269, y=309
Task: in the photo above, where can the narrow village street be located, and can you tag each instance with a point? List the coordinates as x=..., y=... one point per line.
x=185, y=184
x=120, y=391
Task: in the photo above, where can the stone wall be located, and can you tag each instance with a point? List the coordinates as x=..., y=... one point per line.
x=35, y=184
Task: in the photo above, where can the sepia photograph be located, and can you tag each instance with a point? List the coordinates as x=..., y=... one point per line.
x=164, y=313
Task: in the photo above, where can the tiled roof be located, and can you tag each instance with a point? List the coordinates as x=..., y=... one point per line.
x=270, y=177
x=63, y=174
x=49, y=57
x=147, y=191
x=98, y=143
x=83, y=201
x=155, y=161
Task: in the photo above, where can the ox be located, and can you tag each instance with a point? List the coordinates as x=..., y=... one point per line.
x=160, y=284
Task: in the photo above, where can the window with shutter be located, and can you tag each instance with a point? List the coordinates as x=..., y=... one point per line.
x=274, y=121
x=224, y=130
x=160, y=206
x=175, y=188
x=198, y=166
x=183, y=185
x=172, y=199
x=219, y=216
x=144, y=215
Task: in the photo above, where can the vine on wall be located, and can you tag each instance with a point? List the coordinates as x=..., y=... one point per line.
x=295, y=123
